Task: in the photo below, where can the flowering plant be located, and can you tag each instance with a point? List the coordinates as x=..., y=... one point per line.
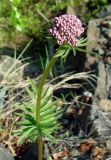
x=40, y=118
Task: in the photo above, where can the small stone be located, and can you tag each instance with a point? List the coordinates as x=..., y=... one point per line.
x=101, y=52
x=106, y=32
x=108, y=144
x=107, y=24
x=5, y=154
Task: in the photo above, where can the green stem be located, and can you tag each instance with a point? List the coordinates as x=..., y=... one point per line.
x=45, y=74
x=40, y=149
x=39, y=96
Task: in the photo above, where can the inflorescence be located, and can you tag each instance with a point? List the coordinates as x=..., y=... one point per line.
x=67, y=29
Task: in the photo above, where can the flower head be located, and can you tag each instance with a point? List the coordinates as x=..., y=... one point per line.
x=66, y=29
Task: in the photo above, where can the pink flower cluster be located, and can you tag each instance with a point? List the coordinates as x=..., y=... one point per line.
x=66, y=29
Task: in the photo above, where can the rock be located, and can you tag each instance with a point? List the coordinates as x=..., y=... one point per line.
x=106, y=32
x=101, y=51
x=101, y=117
x=102, y=124
x=14, y=73
x=6, y=69
x=108, y=144
x=93, y=34
x=31, y=70
x=101, y=89
x=104, y=105
x=99, y=33
x=5, y=154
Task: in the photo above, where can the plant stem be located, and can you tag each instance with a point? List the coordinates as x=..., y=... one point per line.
x=40, y=149
x=38, y=106
x=39, y=96
x=45, y=74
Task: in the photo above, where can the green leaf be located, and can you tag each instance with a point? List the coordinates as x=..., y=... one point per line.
x=31, y=94
x=46, y=100
x=80, y=49
x=20, y=130
x=33, y=85
x=60, y=53
x=26, y=134
x=49, y=122
x=50, y=138
x=74, y=51
x=46, y=107
x=25, y=109
x=27, y=117
x=52, y=129
x=25, y=123
x=50, y=113
x=45, y=93
x=66, y=53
